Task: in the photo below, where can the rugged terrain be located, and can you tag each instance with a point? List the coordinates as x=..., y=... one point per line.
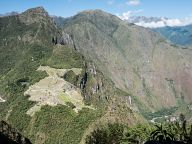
x=35, y=54
x=59, y=82
x=139, y=61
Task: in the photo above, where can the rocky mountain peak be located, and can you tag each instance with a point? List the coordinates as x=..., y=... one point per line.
x=96, y=14
x=34, y=15
x=96, y=11
x=37, y=11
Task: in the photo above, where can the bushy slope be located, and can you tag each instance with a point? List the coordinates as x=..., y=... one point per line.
x=138, y=60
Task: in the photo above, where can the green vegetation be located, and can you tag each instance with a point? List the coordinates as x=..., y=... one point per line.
x=23, y=48
x=61, y=124
x=112, y=133
x=71, y=77
x=120, y=134
x=160, y=113
x=165, y=133
x=64, y=57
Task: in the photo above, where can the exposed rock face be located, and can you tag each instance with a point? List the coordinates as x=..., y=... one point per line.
x=136, y=59
x=66, y=39
x=83, y=81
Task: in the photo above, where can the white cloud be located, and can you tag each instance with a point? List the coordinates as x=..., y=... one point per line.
x=110, y=2
x=126, y=15
x=166, y=22
x=133, y=2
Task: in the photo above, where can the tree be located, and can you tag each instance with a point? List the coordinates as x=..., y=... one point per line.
x=161, y=134
x=110, y=134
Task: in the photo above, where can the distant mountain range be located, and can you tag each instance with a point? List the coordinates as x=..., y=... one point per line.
x=9, y=14
x=156, y=22
x=177, y=31
x=178, y=35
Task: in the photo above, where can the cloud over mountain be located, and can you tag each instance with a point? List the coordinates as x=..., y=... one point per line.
x=128, y=14
x=153, y=22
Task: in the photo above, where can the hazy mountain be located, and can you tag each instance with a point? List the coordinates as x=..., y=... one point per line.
x=179, y=35
x=175, y=30
x=158, y=22
x=9, y=14
x=58, y=20
x=139, y=19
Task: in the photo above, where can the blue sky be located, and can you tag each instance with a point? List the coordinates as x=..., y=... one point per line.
x=65, y=8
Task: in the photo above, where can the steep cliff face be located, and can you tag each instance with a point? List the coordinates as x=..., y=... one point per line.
x=138, y=60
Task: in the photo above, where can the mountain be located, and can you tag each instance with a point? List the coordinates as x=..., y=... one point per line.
x=175, y=30
x=58, y=20
x=9, y=14
x=138, y=60
x=49, y=91
x=178, y=35
x=60, y=79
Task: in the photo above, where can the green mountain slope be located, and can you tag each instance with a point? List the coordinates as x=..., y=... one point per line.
x=138, y=60
x=31, y=40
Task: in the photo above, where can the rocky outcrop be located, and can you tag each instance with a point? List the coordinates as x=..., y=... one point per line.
x=65, y=39
x=83, y=81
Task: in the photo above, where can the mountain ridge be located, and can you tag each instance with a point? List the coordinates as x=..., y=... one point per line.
x=144, y=45
x=181, y=35
x=31, y=40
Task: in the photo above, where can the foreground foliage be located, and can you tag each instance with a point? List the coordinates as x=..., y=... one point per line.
x=178, y=132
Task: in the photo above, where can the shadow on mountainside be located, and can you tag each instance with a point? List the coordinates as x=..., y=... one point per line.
x=9, y=135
